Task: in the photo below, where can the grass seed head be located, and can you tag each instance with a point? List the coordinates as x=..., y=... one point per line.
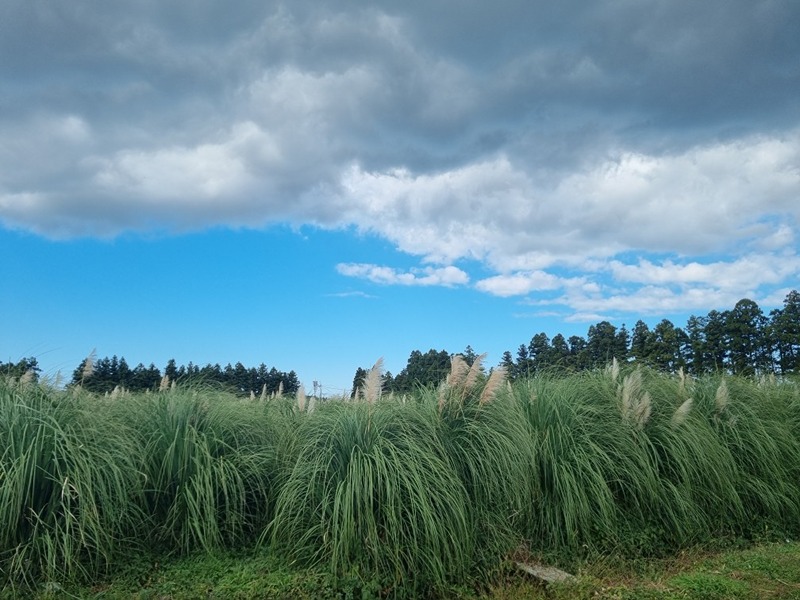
x=722, y=397
x=613, y=369
x=681, y=413
x=472, y=375
x=493, y=385
x=88, y=365
x=458, y=371
x=373, y=382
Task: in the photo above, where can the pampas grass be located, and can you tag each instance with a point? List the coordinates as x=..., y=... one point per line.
x=373, y=383
x=681, y=413
x=372, y=493
x=69, y=486
x=415, y=493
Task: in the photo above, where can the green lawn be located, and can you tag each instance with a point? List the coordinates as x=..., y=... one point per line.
x=768, y=570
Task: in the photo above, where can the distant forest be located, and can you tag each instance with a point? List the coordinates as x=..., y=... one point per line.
x=743, y=340
x=103, y=375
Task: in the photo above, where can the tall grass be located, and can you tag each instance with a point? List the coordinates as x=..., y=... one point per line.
x=484, y=434
x=69, y=486
x=372, y=493
x=640, y=461
x=404, y=494
x=209, y=463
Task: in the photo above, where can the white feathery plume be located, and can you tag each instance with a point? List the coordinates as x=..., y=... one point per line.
x=472, y=374
x=722, y=397
x=682, y=413
x=373, y=382
x=495, y=382
x=458, y=371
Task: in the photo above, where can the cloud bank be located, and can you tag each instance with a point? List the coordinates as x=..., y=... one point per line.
x=601, y=157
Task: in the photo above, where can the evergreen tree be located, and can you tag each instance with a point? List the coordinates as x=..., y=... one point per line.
x=698, y=358
x=171, y=370
x=716, y=345
x=665, y=348
x=469, y=355
x=641, y=342
x=26, y=367
x=578, y=353
x=539, y=352
x=601, y=344
x=559, y=349
x=784, y=328
x=507, y=362
x=425, y=370
x=622, y=342
x=748, y=348
x=524, y=365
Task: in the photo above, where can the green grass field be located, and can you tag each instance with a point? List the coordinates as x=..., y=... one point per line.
x=608, y=474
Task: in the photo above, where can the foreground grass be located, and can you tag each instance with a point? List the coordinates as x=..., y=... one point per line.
x=767, y=570
x=405, y=497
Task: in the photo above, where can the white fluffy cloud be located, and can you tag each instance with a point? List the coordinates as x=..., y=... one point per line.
x=446, y=276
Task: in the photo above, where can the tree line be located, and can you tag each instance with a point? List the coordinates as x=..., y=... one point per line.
x=743, y=340
x=25, y=367
x=104, y=374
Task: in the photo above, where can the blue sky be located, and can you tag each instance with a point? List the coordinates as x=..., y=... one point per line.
x=315, y=185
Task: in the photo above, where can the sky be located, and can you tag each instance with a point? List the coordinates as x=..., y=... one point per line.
x=315, y=185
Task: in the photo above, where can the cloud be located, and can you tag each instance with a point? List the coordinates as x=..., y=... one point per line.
x=446, y=276
x=752, y=271
x=518, y=284
x=352, y=294
x=554, y=145
x=708, y=199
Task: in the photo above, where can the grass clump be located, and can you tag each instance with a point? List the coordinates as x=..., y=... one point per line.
x=483, y=433
x=69, y=486
x=372, y=494
x=401, y=496
x=209, y=463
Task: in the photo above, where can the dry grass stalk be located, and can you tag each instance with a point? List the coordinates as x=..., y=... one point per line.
x=721, y=398
x=280, y=388
x=301, y=398
x=642, y=411
x=635, y=404
x=613, y=369
x=263, y=393
x=681, y=380
x=458, y=371
x=629, y=391
x=27, y=377
x=493, y=385
x=444, y=389
x=682, y=413
x=88, y=365
x=766, y=380
x=473, y=373
x=373, y=382
x=252, y=395
x=164, y=385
